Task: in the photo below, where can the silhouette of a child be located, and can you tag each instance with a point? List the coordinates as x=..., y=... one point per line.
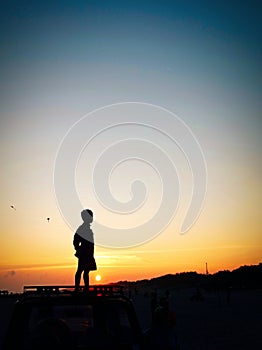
x=84, y=245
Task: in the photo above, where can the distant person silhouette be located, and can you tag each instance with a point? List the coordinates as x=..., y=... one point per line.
x=84, y=246
x=162, y=333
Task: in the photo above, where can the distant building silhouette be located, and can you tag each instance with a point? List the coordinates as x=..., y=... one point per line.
x=206, y=269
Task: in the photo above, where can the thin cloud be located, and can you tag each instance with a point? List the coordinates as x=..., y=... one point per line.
x=9, y=274
x=35, y=267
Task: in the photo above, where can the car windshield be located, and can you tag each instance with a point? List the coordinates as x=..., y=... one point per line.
x=78, y=326
x=77, y=317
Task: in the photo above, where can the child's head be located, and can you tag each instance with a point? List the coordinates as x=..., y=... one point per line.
x=87, y=216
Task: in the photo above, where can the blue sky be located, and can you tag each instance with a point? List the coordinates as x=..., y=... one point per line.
x=200, y=59
x=214, y=43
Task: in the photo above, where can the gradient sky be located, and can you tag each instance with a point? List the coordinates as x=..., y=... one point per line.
x=61, y=60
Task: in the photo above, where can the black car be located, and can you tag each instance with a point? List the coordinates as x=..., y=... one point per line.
x=54, y=317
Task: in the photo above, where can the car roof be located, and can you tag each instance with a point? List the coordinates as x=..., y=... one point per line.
x=66, y=294
x=101, y=289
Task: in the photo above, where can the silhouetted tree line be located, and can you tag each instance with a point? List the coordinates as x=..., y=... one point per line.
x=249, y=277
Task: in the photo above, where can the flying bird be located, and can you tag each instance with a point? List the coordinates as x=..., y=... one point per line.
x=13, y=207
x=48, y=219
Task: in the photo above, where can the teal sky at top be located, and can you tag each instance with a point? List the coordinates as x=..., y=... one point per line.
x=89, y=44
x=200, y=59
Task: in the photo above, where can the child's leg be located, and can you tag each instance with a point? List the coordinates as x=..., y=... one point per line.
x=86, y=278
x=78, y=276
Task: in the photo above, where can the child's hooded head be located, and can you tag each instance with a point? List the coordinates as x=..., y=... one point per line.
x=87, y=216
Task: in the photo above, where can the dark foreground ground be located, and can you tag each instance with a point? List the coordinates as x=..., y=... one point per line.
x=209, y=324
x=213, y=323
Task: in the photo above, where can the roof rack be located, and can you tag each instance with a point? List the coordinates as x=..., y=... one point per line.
x=97, y=290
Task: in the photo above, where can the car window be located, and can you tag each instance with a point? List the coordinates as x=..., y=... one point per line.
x=95, y=326
x=77, y=317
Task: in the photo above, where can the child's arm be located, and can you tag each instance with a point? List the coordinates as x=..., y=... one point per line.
x=76, y=241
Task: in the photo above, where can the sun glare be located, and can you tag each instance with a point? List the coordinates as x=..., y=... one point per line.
x=98, y=278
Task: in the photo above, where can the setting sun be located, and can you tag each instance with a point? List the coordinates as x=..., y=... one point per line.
x=98, y=278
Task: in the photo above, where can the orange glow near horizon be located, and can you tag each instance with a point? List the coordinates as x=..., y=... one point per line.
x=145, y=262
x=44, y=253
x=15, y=279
